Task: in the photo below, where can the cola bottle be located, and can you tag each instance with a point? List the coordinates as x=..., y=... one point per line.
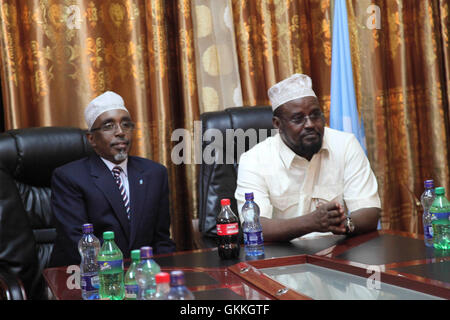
x=227, y=226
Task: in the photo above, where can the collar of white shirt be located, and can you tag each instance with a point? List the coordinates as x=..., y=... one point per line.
x=111, y=165
x=288, y=156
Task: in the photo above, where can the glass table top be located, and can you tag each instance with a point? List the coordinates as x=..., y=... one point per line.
x=327, y=284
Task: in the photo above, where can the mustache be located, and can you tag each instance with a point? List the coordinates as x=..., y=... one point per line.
x=120, y=140
x=306, y=132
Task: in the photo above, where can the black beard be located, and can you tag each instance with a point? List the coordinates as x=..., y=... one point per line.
x=306, y=151
x=309, y=150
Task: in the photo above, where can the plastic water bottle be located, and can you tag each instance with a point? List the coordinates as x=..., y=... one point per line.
x=227, y=226
x=441, y=230
x=89, y=246
x=427, y=199
x=162, y=285
x=110, y=260
x=131, y=287
x=440, y=208
x=145, y=274
x=253, y=236
x=440, y=214
x=178, y=289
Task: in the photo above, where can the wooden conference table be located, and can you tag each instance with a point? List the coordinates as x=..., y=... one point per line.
x=377, y=265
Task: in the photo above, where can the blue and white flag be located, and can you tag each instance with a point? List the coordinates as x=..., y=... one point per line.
x=343, y=110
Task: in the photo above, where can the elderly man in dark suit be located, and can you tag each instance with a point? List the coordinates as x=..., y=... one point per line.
x=112, y=190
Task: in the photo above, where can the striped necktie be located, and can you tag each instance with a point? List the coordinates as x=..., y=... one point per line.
x=116, y=172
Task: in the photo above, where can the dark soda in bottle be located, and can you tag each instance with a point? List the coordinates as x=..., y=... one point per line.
x=227, y=225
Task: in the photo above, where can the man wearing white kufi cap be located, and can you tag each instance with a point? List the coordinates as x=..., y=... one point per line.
x=110, y=189
x=308, y=179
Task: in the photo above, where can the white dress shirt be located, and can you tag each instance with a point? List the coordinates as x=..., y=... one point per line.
x=286, y=185
x=123, y=173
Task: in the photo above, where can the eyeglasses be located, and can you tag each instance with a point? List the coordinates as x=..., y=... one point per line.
x=110, y=127
x=313, y=117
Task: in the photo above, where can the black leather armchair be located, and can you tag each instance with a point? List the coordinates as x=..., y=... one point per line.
x=217, y=179
x=27, y=160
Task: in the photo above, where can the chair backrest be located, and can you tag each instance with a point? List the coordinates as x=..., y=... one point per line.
x=225, y=136
x=27, y=160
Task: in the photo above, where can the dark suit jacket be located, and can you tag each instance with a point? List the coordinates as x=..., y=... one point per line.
x=84, y=191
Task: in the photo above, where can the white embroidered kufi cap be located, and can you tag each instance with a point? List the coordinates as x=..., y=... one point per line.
x=294, y=87
x=104, y=102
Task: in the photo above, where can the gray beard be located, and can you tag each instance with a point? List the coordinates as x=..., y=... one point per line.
x=121, y=156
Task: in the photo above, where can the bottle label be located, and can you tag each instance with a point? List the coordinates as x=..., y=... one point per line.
x=253, y=238
x=131, y=291
x=106, y=266
x=439, y=215
x=428, y=231
x=90, y=281
x=227, y=229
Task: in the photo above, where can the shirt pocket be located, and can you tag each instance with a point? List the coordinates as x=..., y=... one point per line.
x=284, y=202
x=326, y=193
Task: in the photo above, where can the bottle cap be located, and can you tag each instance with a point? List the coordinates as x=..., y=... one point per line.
x=108, y=235
x=225, y=202
x=146, y=252
x=440, y=191
x=249, y=196
x=429, y=184
x=162, y=277
x=135, y=255
x=177, y=278
x=88, y=228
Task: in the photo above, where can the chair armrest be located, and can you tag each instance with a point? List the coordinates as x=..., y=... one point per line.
x=11, y=287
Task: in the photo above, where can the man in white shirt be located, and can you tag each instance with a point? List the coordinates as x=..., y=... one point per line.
x=308, y=178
